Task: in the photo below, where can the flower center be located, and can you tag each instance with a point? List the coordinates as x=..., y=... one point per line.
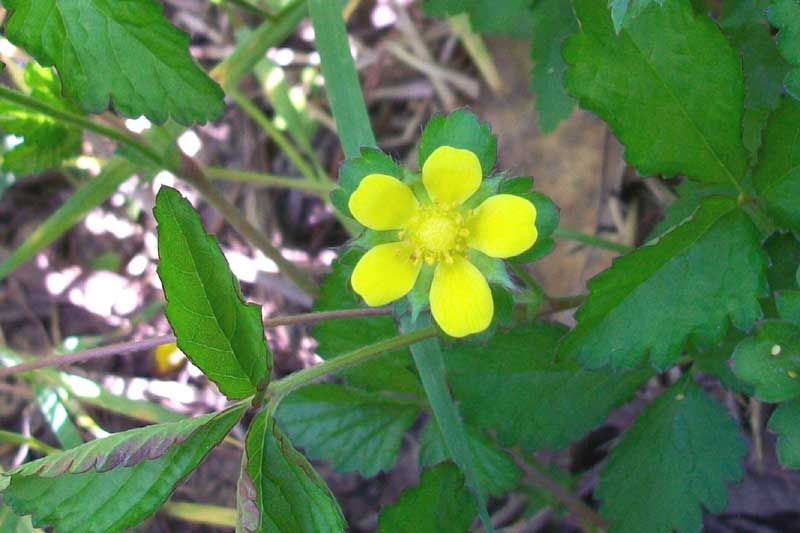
x=437, y=233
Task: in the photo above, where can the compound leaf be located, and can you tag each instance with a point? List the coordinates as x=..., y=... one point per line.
x=493, y=385
x=216, y=329
x=676, y=457
x=669, y=85
x=439, y=504
x=279, y=491
x=655, y=299
x=127, y=54
x=777, y=175
x=79, y=490
x=353, y=429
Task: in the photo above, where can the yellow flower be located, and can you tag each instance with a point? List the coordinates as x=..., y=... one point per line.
x=439, y=231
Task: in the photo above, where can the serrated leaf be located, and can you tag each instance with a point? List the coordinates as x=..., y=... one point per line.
x=785, y=15
x=127, y=54
x=279, y=491
x=353, y=429
x=669, y=85
x=785, y=421
x=215, y=328
x=79, y=490
x=45, y=141
x=496, y=471
x=439, y=504
x=770, y=361
x=553, y=22
x=494, y=384
x=460, y=129
x=392, y=372
x=674, y=460
x=777, y=175
x=691, y=283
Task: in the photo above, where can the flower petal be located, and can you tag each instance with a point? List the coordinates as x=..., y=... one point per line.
x=385, y=273
x=503, y=226
x=382, y=202
x=451, y=175
x=461, y=301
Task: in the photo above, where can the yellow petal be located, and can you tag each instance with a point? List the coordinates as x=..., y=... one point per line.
x=385, y=273
x=382, y=202
x=451, y=175
x=503, y=226
x=461, y=301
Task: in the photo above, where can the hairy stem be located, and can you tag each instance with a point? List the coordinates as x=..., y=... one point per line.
x=592, y=240
x=82, y=122
x=282, y=387
x=126, y=348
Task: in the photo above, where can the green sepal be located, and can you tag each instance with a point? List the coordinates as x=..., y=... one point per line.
x=419, y=297
x=493, y=269
x=460, y=129
x=353, y=170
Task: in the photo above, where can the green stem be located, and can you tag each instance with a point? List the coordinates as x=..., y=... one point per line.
x=31, y=442
x=592, y=240
x=194, y=175
x=321, y=188
x=275, y=134
x=230, y=72
x=341, y=79
x=201, y=513
x=281, y=388
x=82, y=122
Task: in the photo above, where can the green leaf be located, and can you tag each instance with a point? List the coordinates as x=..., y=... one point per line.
x=785, y=15
x=677, y=457
x=691, y=283
x=439, y=504
x=715, y=362
x=79, y=490
x=11, y=523
x=771, y=361
x=670, y=86
x=279, y=491
x=56, y=415
x=785, y=421
x=216, y=329
x=128, y=55
x=392, y=372
x=509, y=17
x=623, y=11
x=86, y=198
x=788, y=304
x=690, y=193
x=745, y=24
x=341, y=79
x=777, y=175
x=460, y=129
x=496, y=471
x=45, y=141
x=553, y=22
x=784, y=257
x=493, y=385
x=354, y=430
